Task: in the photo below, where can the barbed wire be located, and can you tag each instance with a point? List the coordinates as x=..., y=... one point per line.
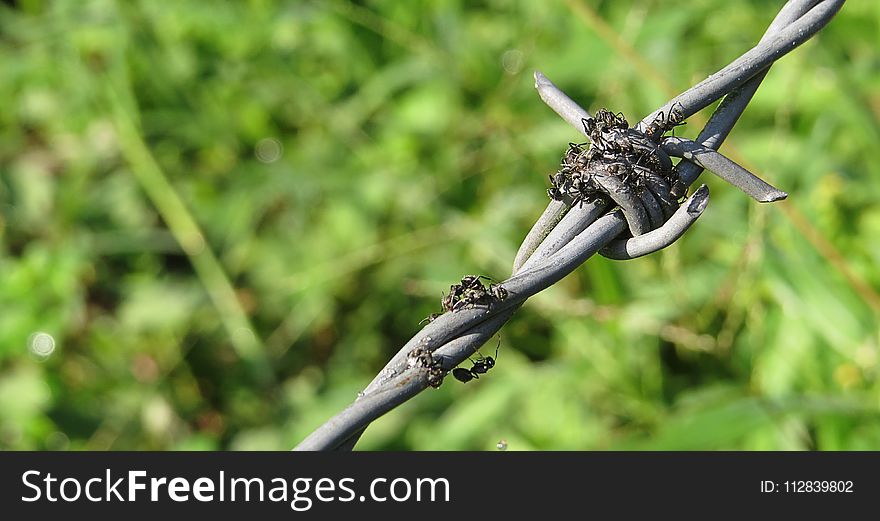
x=619, y=197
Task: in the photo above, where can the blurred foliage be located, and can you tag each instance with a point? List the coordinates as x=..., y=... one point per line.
x=229, y=215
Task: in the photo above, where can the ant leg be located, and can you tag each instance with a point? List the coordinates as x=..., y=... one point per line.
x=490, y=279
x=662, y=237
x=677, y=125
x=430, y=318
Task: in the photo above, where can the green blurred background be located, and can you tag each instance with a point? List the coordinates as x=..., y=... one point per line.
x=226, y=216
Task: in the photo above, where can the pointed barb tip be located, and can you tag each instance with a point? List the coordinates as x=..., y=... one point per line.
x=771, y=197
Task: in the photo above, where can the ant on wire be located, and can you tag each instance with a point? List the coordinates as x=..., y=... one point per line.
x=481, y=366
x=661, y=124
x=471, y=292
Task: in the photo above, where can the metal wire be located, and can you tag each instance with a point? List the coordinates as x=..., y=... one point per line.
x=570, y=231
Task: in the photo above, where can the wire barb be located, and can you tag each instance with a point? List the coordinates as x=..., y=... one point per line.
x=656, y=240
x=725, y=168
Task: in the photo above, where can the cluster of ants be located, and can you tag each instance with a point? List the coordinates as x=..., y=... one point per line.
x=471, y=292
x=615, y=149
x=466, y=294
x=421, y=357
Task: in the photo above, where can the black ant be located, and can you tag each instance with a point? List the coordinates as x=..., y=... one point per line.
x=497, y=292
x=559, y=185
x=604, y=120
x=471, y=292
x=662, y=124
x=421, y=357
x=481, y=366
x=457, y=292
